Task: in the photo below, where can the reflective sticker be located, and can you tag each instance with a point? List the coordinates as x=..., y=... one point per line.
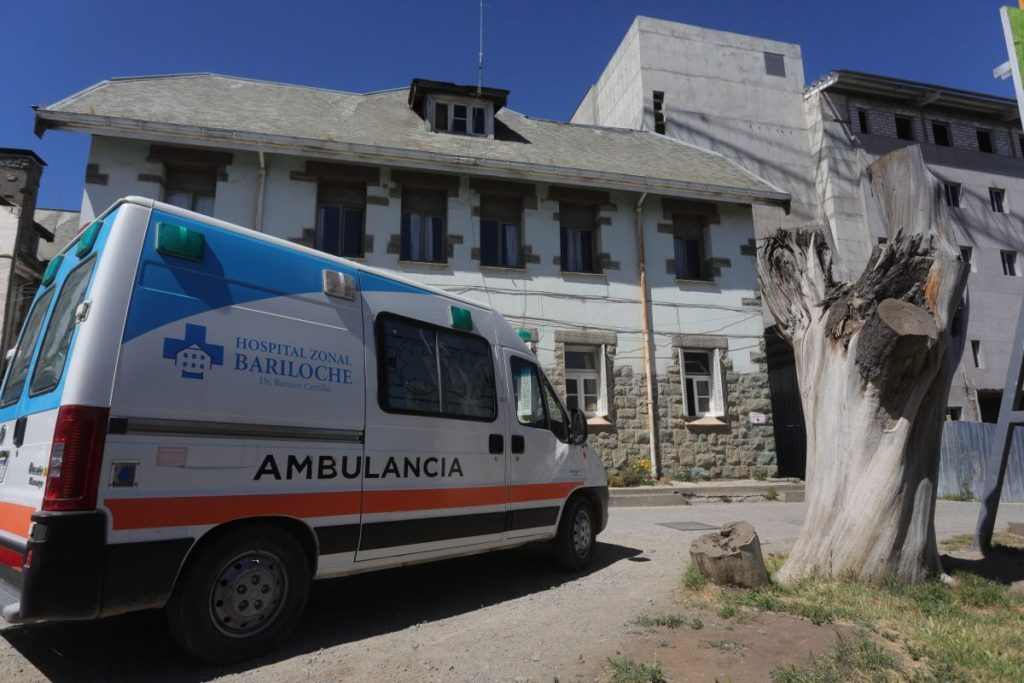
x=171, y=456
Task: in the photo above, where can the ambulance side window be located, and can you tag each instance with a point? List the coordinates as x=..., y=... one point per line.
x=526, y=386
x=57, y=342
x=559, y=421
x=427, y=370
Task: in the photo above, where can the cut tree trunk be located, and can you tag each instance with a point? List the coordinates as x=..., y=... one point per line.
x=731, y=557
x=874, y=361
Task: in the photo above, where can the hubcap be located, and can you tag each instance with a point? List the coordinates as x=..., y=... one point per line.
x=248, y=593
x=581, y=533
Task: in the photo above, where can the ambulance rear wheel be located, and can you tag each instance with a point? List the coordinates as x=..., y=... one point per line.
x=574, y=544
x=241, y=597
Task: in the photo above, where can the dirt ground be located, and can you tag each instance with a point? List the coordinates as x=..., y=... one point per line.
x=505, y=616
x=727, y=650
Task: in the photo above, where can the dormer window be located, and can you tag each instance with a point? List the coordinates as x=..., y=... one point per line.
x=460, y=117
x=459, y=109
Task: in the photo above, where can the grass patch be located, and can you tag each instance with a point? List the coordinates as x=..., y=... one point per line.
x=849, y=660
x=672, y=621
x=771, y=494
x=628, y=670
x=971, y=631
x=957, y=497
x=1000, y=539
x=693, y=580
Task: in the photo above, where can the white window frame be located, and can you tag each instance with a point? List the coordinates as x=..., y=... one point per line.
x=717, y=403
x=470, y=105
x=599, y=374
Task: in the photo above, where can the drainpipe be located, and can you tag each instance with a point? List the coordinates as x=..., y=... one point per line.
x=641, y=262
x=261, y=184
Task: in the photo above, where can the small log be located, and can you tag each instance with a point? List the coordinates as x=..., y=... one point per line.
x=731, y=556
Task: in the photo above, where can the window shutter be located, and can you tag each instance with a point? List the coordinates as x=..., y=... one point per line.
x=682, y=381
x=602, y=382
x=718, y=385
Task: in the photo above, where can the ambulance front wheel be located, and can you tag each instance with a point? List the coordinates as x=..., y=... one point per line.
x=577, y=532
x=241, y=596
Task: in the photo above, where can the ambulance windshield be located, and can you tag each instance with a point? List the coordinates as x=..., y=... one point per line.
x=23, y=356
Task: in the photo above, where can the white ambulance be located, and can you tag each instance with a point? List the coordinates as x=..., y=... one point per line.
x=201, y=417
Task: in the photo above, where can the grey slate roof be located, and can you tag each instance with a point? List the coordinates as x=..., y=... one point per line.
x=224, y=107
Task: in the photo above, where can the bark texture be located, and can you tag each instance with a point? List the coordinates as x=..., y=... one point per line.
x=874, y=360
x=731, y=556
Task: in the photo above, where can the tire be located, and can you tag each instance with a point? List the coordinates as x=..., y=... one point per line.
x=220, y=611
x=577, y=532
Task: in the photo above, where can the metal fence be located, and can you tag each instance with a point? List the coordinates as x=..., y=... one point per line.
x=966, y=455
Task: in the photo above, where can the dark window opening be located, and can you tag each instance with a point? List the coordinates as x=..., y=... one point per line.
x=952, y=194
x=774, y=64
x=479, y=121
x=689, y=248
x=432, y=371
x=659, y=112
x=500, y=231
x=440, y=116
x=883, y=240
x=979, y=361
x=191, y=187
x=904, y=128
x=996, y=199
x=1009, y=260
x=341, y=219
x=578, y=239
x=862, y=119
x=940, y=133
x=985, y=141
x=966, y=254
x=954, y=413
x=423, y=226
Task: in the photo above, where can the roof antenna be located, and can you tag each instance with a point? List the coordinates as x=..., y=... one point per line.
x=480, y=60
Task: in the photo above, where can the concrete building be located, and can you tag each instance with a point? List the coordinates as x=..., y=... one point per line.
x=21, y=267
x=745, y=97
x=544, y=220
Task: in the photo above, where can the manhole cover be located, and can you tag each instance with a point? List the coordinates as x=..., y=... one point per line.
x=688, y=526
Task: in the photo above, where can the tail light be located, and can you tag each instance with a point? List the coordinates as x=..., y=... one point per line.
x=75, y=458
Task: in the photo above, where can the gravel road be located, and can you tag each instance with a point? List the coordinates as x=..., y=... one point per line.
x=500, y=617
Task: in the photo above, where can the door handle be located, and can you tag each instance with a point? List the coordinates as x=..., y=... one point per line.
x=518, y=443
x=496, y=444
x=19, y=431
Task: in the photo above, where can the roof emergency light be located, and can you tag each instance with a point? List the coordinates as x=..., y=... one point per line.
x=52, y=268
x=462, y=318
x=88, y=239
x=177, y=240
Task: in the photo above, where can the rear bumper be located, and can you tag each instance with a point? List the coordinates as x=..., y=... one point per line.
x=70, y=573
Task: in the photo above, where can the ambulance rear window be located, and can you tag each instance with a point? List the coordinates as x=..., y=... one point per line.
x=23, y=356
x=54, y=352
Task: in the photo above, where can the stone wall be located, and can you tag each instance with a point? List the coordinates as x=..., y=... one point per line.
x=736, y=450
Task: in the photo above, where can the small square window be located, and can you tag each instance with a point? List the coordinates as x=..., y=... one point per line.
x=883, y=240
x=1009, y=259
x=774, y=64
x=583, y=379
x=459, y=118
x=952, y=194
x=701, y=378
x=954, y=413
x=985, y=141
x=862, y=119
x=904, y=128
x=940, y=133
x=997, y=199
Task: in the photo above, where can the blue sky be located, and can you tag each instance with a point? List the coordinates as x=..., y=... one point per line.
x=546, y=52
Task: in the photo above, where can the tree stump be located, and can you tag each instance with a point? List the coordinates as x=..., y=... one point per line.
x=875, y=358
x=731, y=556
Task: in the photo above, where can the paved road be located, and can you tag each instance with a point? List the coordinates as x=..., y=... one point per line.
x=505, y=616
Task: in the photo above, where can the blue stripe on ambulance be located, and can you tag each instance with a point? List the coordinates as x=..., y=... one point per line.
x=51, y=400
x=202, y=287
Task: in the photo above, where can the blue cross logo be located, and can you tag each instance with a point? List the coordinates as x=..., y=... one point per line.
x=192, y=354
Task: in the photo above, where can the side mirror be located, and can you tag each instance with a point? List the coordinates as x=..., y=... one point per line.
x=578, y=427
